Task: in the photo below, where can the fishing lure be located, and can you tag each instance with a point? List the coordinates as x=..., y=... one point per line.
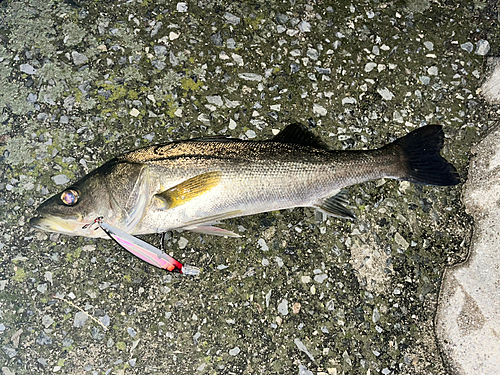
x=144, y=250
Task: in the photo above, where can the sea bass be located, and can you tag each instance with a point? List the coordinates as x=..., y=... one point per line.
x=193, y=184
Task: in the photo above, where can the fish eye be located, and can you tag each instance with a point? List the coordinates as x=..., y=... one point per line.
x=70, y=197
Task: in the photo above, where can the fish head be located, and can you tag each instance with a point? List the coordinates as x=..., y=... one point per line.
x=117, y=192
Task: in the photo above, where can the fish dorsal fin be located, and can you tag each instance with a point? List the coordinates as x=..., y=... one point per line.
x=189, y=189
x=298, y=134
x=336, y=206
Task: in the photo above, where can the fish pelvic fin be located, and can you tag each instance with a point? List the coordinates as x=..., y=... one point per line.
x=189, y=189
x=421, y=157
x=212, y=230
x=336, y=206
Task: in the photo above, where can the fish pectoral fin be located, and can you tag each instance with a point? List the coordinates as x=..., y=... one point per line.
x=214, y=231
x=336, y=206
x=189, y=189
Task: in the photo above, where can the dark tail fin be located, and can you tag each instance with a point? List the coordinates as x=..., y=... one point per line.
x=425, y=165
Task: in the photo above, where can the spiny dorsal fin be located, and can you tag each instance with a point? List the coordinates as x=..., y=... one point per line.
x=298, y=134
x=336, y=206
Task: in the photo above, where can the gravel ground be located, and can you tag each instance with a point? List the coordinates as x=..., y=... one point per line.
x=83, y=81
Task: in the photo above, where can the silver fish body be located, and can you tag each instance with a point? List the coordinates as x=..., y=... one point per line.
x=195, y=183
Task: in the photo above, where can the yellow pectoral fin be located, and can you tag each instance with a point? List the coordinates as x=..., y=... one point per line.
x=189, y=189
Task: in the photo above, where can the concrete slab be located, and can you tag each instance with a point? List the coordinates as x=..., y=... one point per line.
x=468, y=315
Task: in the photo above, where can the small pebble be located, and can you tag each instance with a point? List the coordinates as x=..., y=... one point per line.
x=370, y=66
x=385, y=93
x=305, y=26
x=469, y=47
x=27, y=68
x=231, y=18
x=182, y=7
x=182, y=243
x=79, y=58
x=319, y=110
x=429, y=45
x=250, y=76
x=80, y=319
x=283, y=307
x=482, y=47
x=60, y=179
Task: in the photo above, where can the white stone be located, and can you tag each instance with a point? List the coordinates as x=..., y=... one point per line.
x=237, y=59
x=370, y=66
x=283, y=307
x=182, y=243
x=250, y=76
x=173, y=35
x=385, y=93
x=482, y=47
x=429, y=45
x=216, y=100
x=134, y=112
x=433, y=71
x=349, y=100
x=182, y=7
x=319, y=110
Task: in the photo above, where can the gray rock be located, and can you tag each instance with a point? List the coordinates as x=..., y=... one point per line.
x=43, y=339
x=9, y=351
x=469, y=47
x=217, y=39
x=173, y=59
x=132, y=332
x=305, y=26
x=79, y=58
x=425, y=80
x=32, y=98
x=313, y=53
x=231, y=18
x=80, y=319
x=27, y=68
x=60, y=179
x=158, y=64
x=282, y=18
x=160, y=50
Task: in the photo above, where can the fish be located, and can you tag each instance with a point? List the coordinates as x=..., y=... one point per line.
x=194, y=184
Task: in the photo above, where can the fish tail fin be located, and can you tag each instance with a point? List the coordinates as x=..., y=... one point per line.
x=421, y=156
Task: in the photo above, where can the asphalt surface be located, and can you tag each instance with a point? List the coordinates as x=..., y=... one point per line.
x=81, y=82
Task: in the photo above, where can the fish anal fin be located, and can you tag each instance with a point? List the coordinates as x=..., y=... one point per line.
x=214, y=231
x=298, y=134
x=336, y=206
x=189, y=189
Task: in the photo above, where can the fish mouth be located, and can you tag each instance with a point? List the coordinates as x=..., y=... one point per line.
x=71, y=226
x=57, y=224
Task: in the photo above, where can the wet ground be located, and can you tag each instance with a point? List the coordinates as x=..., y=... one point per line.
x=81, y=82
